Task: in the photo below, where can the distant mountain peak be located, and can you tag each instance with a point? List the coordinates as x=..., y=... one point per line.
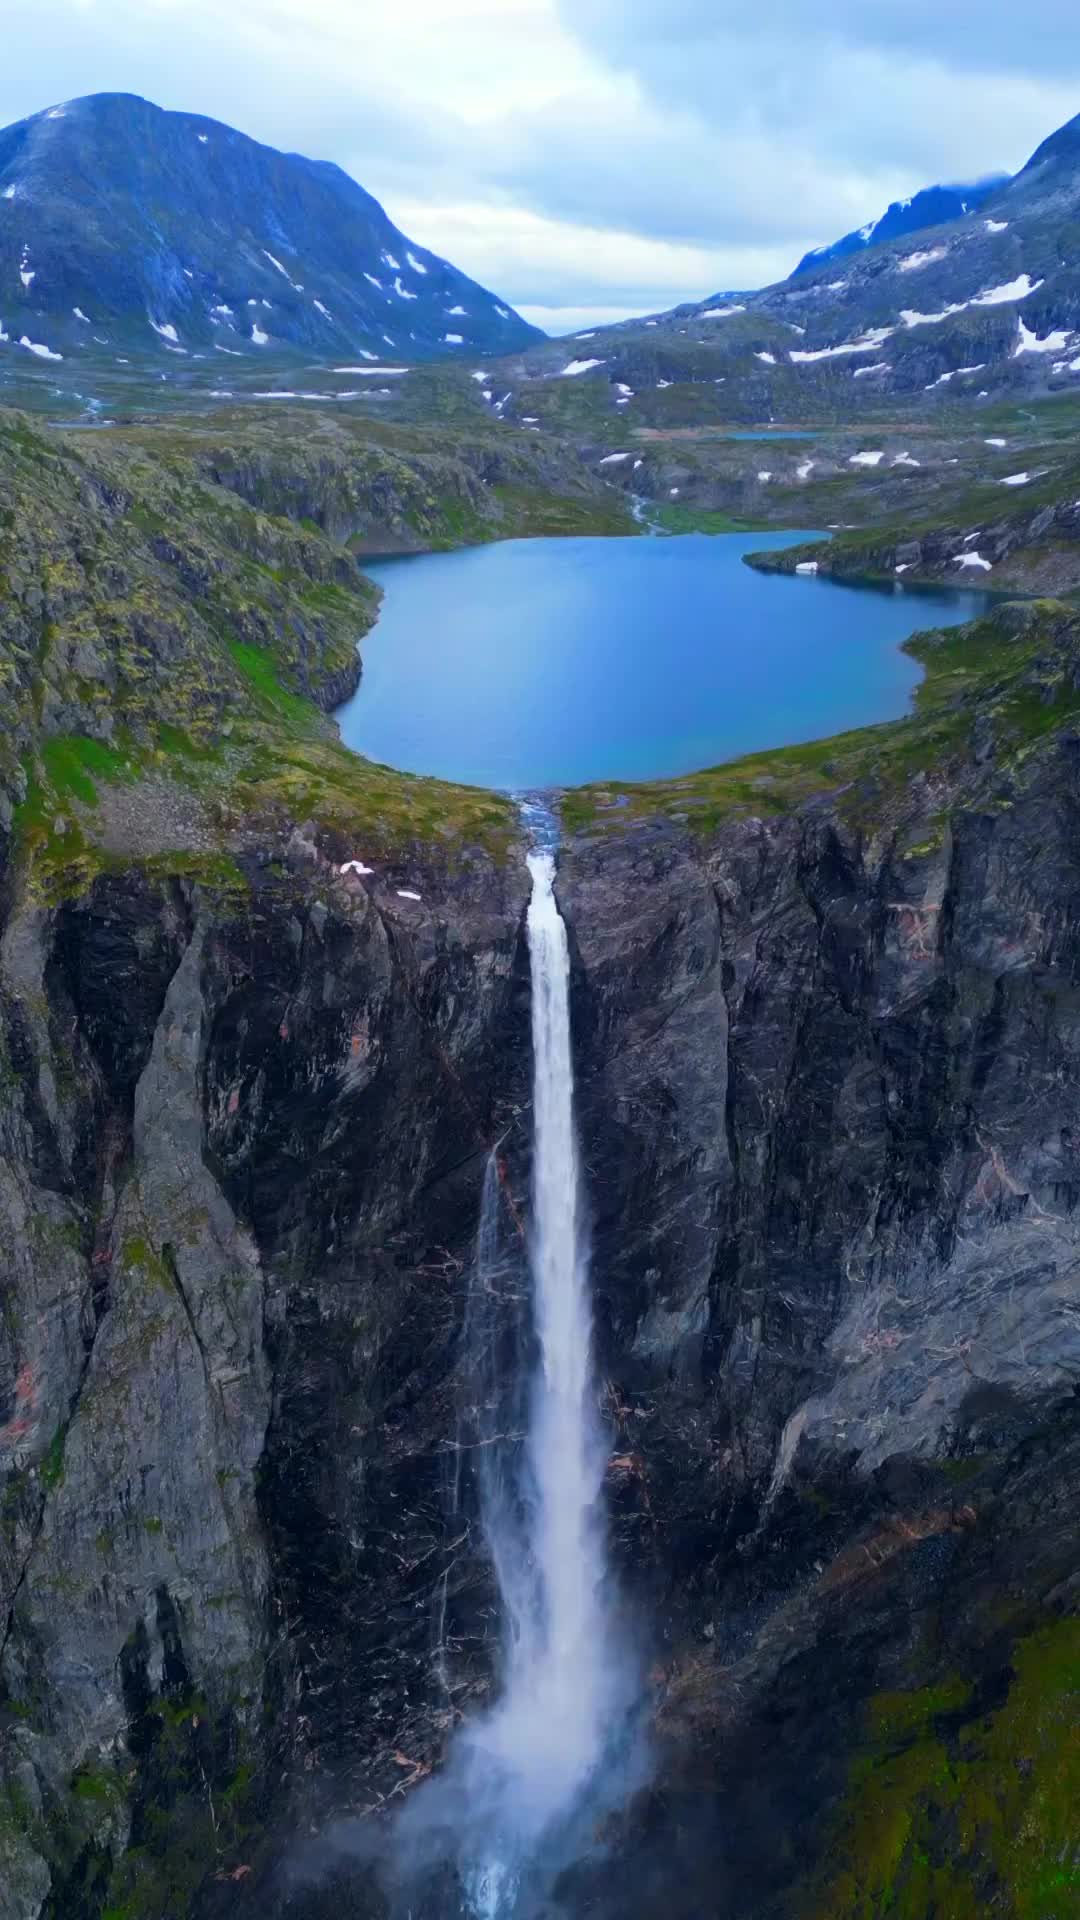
x=1062, y=146
x=929, y=208
x=172, y=232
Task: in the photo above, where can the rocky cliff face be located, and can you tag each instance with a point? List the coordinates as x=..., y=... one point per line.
x=828, y=1097
x=1030, y=545
x=241, y=1168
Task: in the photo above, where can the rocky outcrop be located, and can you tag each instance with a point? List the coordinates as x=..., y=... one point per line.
x=830, y=1105
x=1033, y=545
x=411, y=492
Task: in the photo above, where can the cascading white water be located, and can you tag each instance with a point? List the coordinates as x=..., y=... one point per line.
x=526, y=1783
x=532, y=1757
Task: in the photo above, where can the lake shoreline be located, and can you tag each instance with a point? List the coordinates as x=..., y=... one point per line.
x=540, y=665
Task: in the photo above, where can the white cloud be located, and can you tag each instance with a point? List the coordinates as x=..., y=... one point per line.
x=558, y=320
x=586, y=267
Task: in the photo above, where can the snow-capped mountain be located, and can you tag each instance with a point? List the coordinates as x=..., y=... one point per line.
x=979, y=304
x=988, y=298
x=124, y=225
x=930, y=208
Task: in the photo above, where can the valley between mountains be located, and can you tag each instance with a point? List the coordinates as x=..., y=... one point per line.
x=265, y=1015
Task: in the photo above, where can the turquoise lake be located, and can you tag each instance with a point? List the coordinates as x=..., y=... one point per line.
x=539, y=663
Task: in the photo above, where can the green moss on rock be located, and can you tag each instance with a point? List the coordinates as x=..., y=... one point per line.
x=951, y=1814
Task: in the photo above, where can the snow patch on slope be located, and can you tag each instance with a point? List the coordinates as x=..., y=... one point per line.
x=1019, y=289
x=869, y=342
x=275, y=262
x=912, y=262
x=1053, y=342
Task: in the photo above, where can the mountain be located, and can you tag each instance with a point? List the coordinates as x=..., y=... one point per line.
x=1056, y=160
x=983, y=304
x=124, y=225
x=930, y=208
x=987, y=300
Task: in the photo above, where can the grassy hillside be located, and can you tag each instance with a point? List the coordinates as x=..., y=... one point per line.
x=179, y=610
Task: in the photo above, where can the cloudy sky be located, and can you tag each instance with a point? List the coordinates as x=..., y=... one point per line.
x=590, y=159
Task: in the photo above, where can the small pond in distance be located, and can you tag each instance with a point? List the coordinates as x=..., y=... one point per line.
x=536, y=663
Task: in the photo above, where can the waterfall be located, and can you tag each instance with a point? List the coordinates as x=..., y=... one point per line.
x=524, y=1780
x=545, y=1737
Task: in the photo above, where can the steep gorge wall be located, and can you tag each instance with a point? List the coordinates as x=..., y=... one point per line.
x=829, y=1093
x=828, y=1098
x=829, y=1088
x=243, y=1145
